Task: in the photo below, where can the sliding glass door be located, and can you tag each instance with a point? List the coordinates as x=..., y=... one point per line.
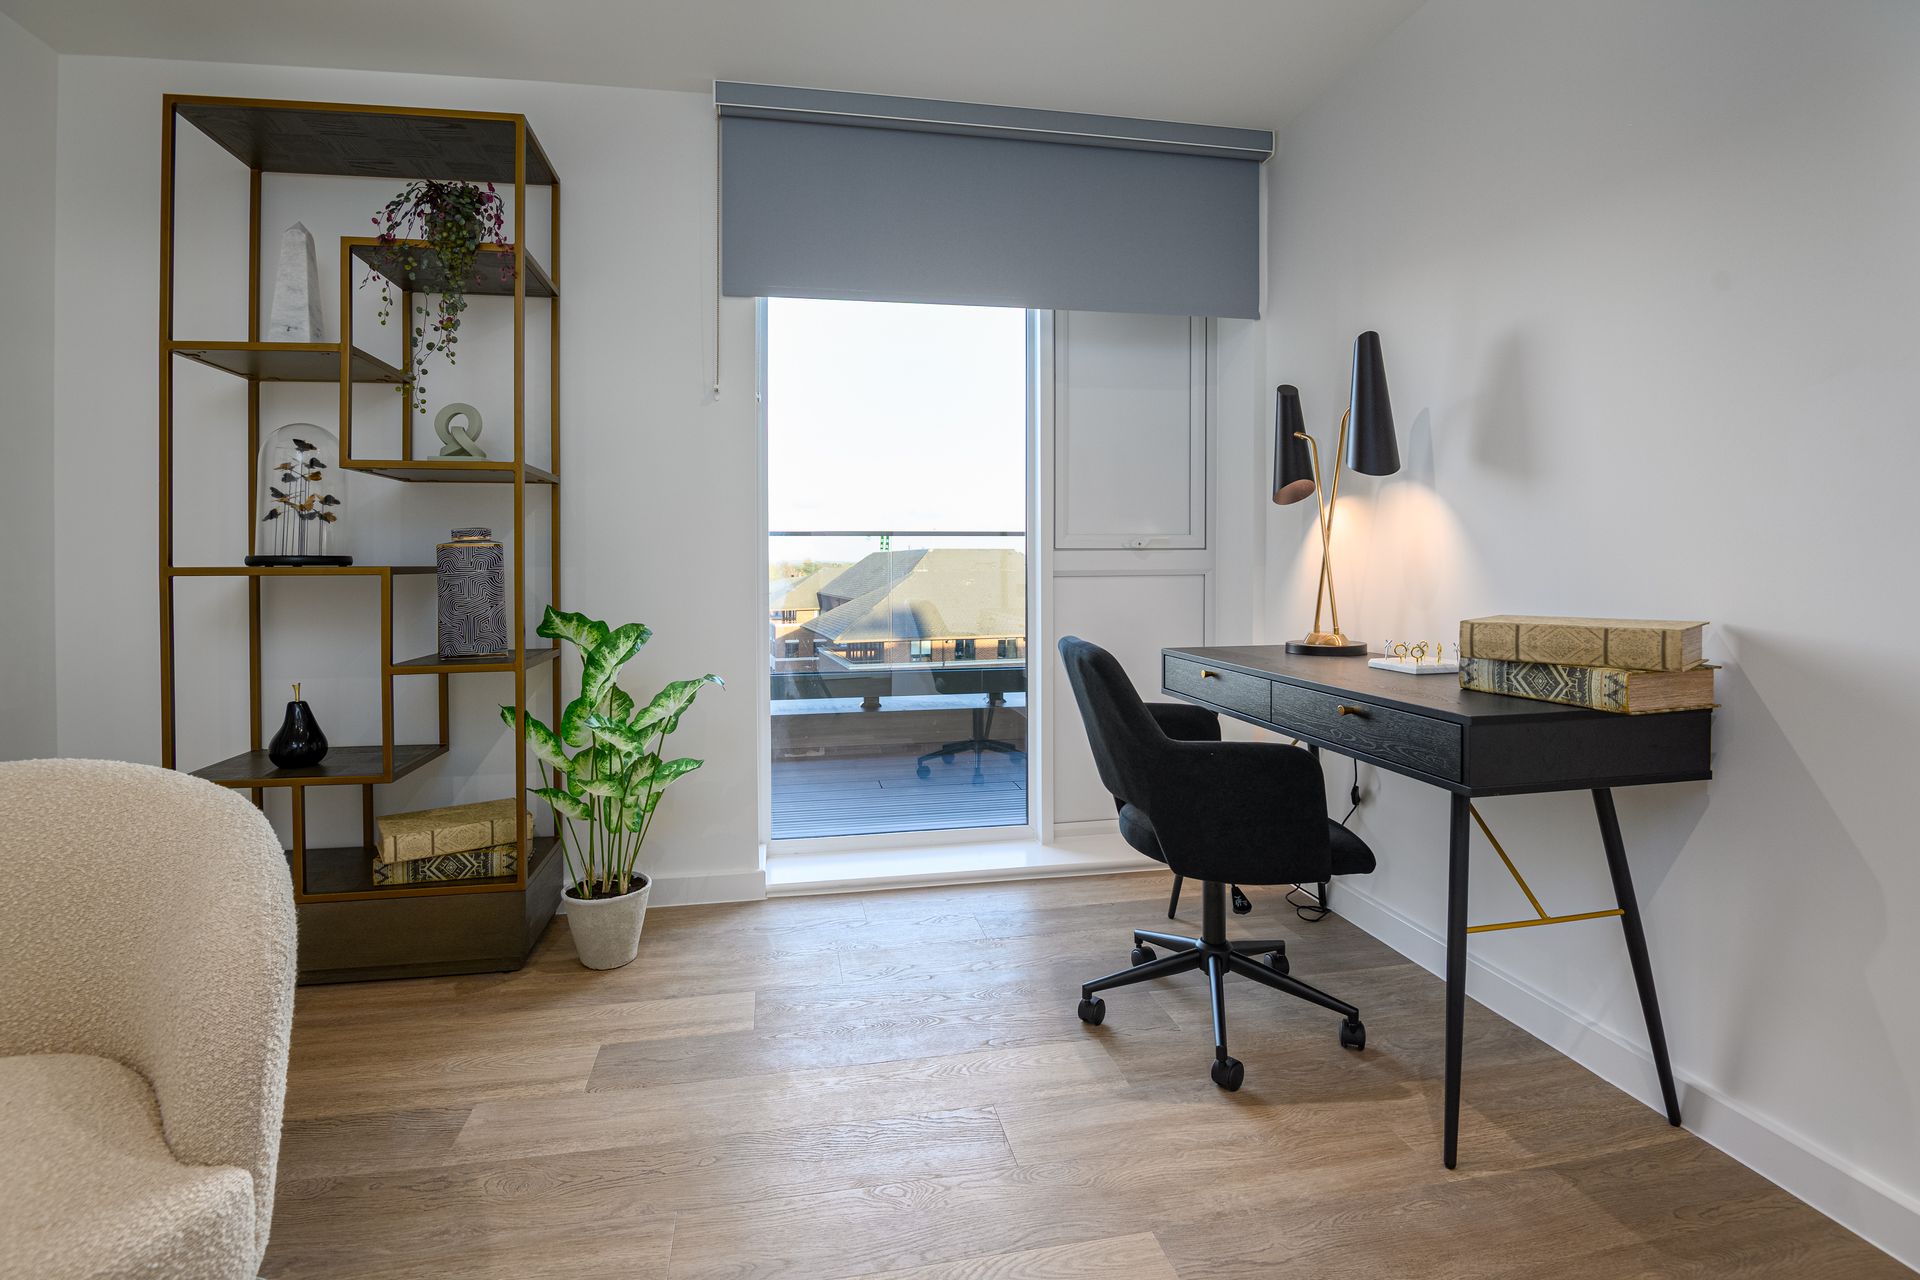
x=896, y=567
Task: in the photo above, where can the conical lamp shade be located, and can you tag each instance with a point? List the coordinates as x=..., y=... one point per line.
x=1371, y=447
x=1292, y=465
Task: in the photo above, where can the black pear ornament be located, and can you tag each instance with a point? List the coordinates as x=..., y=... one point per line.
x=299, y=744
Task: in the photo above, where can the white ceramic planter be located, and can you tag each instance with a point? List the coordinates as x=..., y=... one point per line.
x=606, y=931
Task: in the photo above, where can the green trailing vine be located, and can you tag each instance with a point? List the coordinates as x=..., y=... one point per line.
x=448, y=221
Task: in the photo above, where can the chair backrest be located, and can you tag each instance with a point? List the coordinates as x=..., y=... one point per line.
x=1120, y=729
x=1262, y=818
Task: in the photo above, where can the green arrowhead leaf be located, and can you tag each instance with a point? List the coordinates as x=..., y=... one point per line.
x=574, y=727
x=603, y=663
x=671, y=701
x=619, y=704
x=545, y=742
x=584, y=632
x=618, y=734
x=673, y=769
x=572, y=806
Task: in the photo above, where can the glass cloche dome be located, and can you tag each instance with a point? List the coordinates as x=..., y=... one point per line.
x=301, y=516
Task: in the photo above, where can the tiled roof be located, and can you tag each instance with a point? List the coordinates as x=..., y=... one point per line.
x=942, y=594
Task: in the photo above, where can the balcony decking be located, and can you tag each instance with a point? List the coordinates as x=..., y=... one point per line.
x=851, y=795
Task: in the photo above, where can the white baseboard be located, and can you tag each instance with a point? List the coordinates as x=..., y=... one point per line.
x=790, y=874
x=1883, y=1215
x=686, y=891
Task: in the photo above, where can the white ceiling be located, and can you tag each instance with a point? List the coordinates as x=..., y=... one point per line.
x=1254, y=63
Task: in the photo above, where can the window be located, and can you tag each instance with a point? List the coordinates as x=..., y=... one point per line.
x=896, y=498
x=793, y=648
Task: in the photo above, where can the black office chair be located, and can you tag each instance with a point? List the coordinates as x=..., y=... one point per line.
x=1216, y=812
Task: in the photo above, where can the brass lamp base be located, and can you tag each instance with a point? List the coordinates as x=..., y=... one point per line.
x=1328, y=644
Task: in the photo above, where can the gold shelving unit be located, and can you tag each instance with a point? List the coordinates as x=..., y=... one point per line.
x=350, y=928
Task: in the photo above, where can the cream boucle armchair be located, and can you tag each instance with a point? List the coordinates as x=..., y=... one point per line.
x=146, y=992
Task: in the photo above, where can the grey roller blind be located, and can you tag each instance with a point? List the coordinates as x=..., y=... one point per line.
x=862, y=196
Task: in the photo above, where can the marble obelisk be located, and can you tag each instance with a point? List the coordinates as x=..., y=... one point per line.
x=295, y=316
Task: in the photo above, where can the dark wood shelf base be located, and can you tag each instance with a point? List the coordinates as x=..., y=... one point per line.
x=491, y=275
x=344, y=766
x=433, y=664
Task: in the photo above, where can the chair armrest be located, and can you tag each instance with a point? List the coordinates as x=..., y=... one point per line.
x=1186, y=722
x=1251, y=812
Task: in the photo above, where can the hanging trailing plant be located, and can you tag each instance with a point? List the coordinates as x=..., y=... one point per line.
x=445, y=221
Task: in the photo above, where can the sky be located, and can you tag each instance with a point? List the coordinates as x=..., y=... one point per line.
x=889, y=416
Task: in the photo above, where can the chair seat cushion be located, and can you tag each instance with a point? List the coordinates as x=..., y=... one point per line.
x=1351, y=856
x=91, y=1189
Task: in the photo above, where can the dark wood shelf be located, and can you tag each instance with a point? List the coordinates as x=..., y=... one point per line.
x=287, y=361
x=344, y=766
x=348, y=870
x=364, y=141
x=434, y=664
x=448, y=470
x=296, y=571
x=491, y=276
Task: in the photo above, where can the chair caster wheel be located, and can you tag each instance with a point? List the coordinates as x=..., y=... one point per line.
x=1241, y=903
x=1141, y=954
x=923, y=771
x=1093, y=1012
x=946, y=759
x=1228, y=1073
x=1278, y=962
x=1353, y=1034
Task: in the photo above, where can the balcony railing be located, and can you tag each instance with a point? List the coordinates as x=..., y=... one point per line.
x=875, y=731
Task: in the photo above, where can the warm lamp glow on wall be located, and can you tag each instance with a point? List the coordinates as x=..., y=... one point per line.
x=1369, y=448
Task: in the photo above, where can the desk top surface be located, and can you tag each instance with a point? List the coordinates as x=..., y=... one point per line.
x=1432, y=695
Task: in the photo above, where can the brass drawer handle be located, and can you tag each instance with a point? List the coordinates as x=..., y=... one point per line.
x=1346, y=710
x=1209, y=675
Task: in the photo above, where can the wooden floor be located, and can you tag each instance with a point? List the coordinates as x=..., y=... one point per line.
x=896, y=1085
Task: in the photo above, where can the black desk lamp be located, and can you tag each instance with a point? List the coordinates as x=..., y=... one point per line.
x=1370, y=449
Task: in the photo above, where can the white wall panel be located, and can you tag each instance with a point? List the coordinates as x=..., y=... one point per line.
x=1132, y=615
x=1130, y=431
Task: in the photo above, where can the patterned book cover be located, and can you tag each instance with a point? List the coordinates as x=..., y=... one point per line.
x=1629, y=644
x=428, y=833
x=500, y=860
x=1601, y=688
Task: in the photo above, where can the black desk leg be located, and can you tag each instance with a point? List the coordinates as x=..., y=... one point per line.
x=1636, y=946
x=1456, y=969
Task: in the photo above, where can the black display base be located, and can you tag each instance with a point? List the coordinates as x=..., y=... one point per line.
x=1351, y=649
x=297, y=562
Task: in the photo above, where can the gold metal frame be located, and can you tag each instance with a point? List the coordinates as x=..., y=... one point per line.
x=1541, y=914
x=436, y=469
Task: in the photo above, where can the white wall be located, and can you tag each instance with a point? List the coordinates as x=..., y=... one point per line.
x=1645, y=275
x=659, y=512
x=27, y=97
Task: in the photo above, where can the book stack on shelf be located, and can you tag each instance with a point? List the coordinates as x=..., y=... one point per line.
x=459, y=842
x=1623, y=665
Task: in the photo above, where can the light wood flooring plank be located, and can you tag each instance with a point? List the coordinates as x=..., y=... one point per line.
x=1137, y=1257
x=693, y=1108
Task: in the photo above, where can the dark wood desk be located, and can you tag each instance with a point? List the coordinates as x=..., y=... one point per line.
x=1470, y=744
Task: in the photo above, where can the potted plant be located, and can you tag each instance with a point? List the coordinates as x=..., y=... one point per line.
x=603, y=772
x=450, y=221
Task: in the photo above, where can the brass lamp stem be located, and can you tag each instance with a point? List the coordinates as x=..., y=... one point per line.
x=1325, y=498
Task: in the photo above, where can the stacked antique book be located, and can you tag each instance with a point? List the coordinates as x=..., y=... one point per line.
x=459, y=842
x=1625, y=665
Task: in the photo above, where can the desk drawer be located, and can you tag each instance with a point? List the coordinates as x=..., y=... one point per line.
x=1230, y=689
x=1419, y=742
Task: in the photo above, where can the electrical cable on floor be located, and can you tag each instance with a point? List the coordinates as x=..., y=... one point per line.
x=1313, y=911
